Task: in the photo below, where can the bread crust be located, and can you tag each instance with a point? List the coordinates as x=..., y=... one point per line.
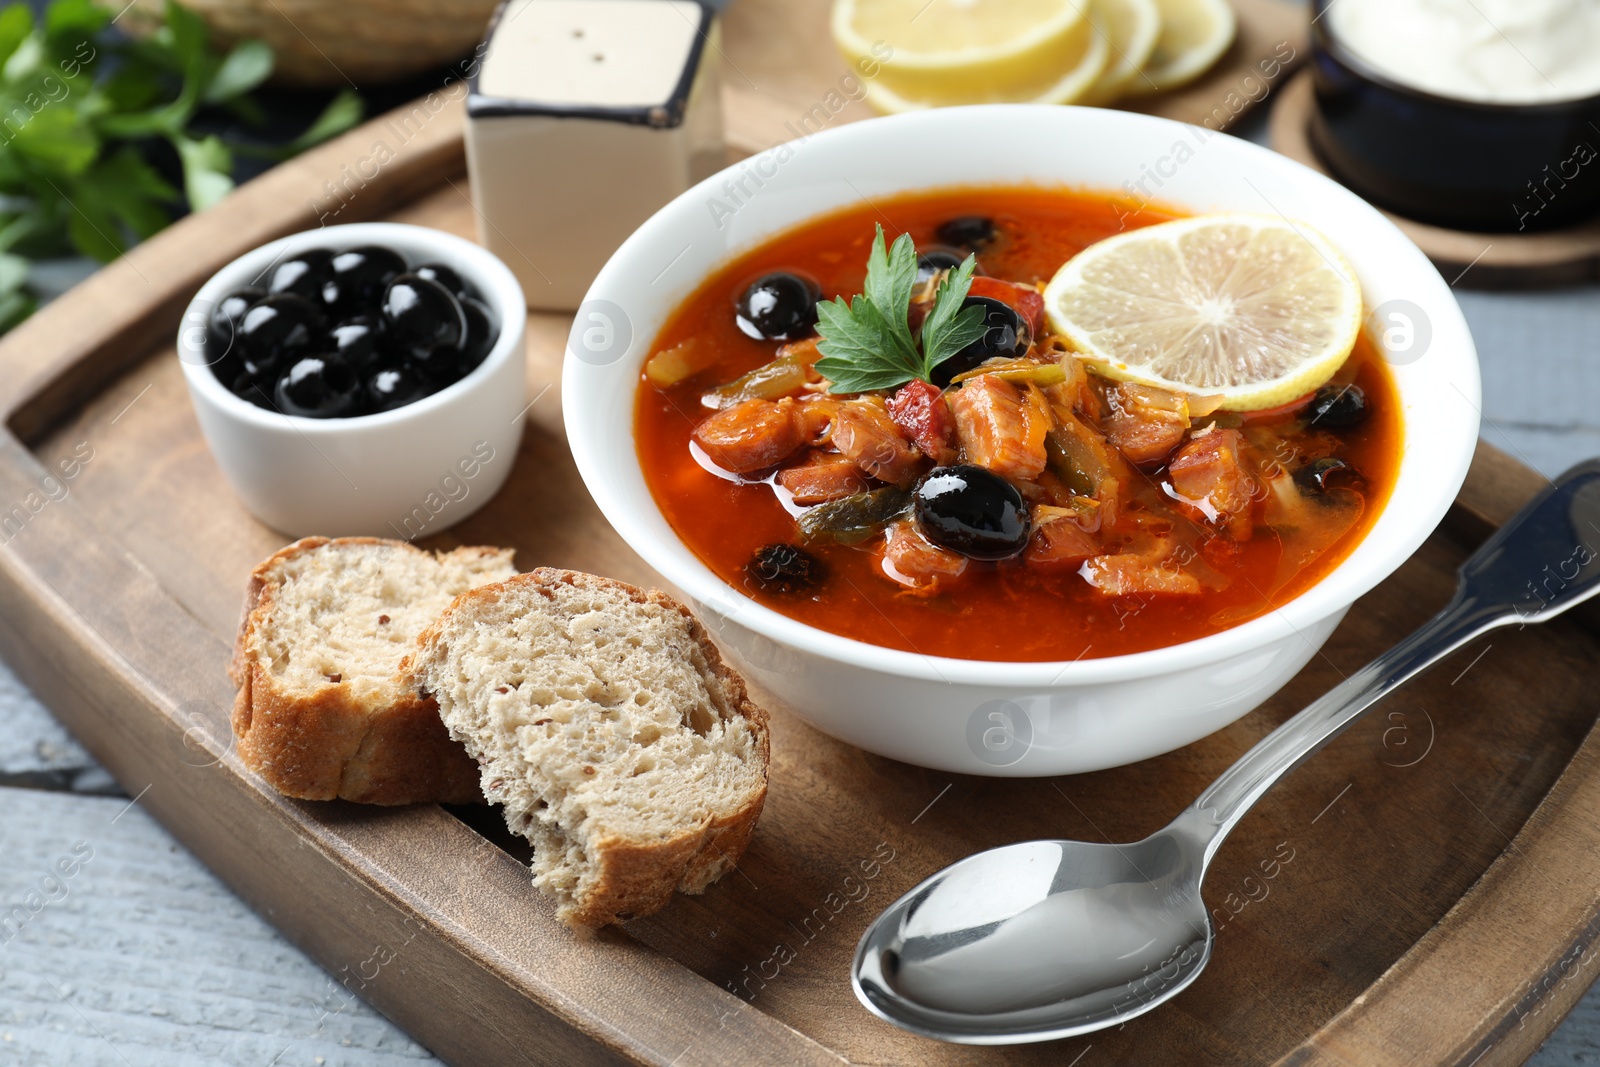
x=334, y=745
x=635, y=879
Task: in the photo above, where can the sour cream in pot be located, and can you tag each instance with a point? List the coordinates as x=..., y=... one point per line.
x=1486, y=51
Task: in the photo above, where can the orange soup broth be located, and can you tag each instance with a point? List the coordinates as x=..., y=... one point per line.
x=996, y=611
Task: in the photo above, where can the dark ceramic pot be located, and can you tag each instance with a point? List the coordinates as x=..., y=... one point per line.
x=1455, y=163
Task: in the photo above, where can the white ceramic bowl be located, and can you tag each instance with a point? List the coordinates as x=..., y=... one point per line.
x=406, y=473
x=1017, y=718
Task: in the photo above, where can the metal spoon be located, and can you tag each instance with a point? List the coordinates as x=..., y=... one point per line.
x=1047, y=939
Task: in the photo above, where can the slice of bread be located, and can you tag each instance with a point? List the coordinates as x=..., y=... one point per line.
x=323, y=711
x=607, y=724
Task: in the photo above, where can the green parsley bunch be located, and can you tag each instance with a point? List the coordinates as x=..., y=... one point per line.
x=78, y=101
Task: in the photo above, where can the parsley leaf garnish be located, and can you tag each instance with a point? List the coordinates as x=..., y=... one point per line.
x=867, y=343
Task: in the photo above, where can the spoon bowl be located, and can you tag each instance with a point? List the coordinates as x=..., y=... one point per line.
x=958, y=958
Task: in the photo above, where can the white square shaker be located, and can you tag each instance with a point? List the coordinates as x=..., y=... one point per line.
x=584, y=117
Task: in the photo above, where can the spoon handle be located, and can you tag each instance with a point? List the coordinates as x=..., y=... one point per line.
x=1227, y=800
x=1543, y=561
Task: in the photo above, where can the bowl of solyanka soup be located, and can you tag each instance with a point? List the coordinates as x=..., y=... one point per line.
x=980, y=446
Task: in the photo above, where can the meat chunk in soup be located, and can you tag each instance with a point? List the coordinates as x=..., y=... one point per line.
x=1209, y=475
x=914, y=562
x=751, y=436
x=1145, y=423
x=821, y=477
x=864, y=432
x=1138, y=574
x=999, y=428
x=1058, y=541
x=919, y=409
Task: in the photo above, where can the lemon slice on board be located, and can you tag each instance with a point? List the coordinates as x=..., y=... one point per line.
x=1194, y=34
x=1131, y=28
x=1071, y=89
x=933, y=52
x=1252, y=308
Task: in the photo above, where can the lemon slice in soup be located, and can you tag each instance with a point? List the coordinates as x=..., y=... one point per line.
x=1130, y=28
x=1252, y=308
x=938, y=52
x=1194, y=34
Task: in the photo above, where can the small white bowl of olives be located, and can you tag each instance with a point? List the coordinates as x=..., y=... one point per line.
x=361, y=379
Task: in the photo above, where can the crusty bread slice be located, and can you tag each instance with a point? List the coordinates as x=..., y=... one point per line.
x=607, y=724
x=322, y=710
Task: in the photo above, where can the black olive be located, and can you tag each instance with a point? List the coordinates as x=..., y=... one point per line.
x=935, y=259
x=1005, y=336
x=778, y=307
x=481, y=335
x=277, y=330
x=249, y=379
x=222, y=325
x=359, y=342
x=1318, y=476
x=317, y=387
x=445, y=276
x=784, y=569
x=420, y=316
x=247, y=383
x=303, y=274
x=1337, y=407
x=967, y=231
x=440, y=368
x=227, y=369
x=972, y=511
x=395, y=387
x=358, y=277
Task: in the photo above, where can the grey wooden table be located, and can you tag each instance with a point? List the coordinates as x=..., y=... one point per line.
x=142, y=957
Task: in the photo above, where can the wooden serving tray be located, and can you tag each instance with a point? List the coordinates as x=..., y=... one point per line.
x=1423, y=892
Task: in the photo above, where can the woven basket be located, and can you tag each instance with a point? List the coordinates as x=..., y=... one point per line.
x=336, y=42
